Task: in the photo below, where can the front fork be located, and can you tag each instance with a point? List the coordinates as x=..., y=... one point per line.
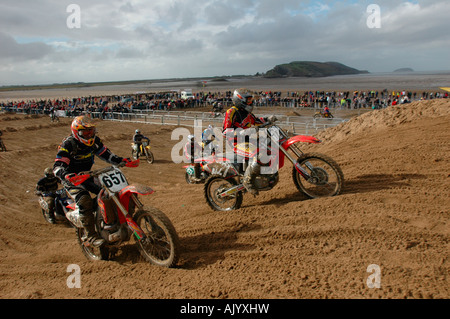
x=130, y=222
x=294, y=162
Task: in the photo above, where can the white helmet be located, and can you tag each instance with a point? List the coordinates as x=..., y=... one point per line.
x=243, y=99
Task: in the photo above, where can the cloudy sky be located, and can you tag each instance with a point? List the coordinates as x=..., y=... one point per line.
x=154, y=39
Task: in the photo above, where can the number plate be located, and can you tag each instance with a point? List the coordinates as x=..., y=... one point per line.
x=114, y=180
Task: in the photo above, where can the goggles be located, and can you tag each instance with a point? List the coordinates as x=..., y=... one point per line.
x=87, y=133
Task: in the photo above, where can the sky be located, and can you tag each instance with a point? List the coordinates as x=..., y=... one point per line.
x=53, y=41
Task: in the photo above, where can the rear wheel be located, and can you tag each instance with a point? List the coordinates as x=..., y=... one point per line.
x=214, y=186
x=326, y=177
x=2, y=146
x=161, y=244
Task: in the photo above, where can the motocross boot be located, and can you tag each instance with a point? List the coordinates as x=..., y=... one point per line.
x=50, y=216
x=196, y=177
x=50, y=212
x=250, y=175
x=91, y=237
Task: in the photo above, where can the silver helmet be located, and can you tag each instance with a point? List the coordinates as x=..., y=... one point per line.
x=243, y=98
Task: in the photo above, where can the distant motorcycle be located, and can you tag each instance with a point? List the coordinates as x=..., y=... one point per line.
x=2, y=145
x=144, y=150
x=321, y=114
x=62, y=200
x=119, y=214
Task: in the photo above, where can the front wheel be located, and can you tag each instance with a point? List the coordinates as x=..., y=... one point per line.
x=214, y=186
x=160, y=245
x=134, y=154
x=326, y=177
x=91, y=252
x=149, y=155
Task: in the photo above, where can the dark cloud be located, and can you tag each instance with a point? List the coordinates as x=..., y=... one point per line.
x=13, y=51
x=219, y=37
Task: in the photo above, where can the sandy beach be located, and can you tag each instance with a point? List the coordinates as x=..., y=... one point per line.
x=418, y=82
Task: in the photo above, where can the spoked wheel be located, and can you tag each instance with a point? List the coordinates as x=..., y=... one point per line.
x=92, y=253
x=134, y=154
x=326, y=178
x=214, y=186
x=149, y=155
x=160, y=246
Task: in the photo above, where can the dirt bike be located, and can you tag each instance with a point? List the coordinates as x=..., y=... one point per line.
x=216, y=113
x=54, y=117
x=144, y=149
x=119, y=214
x=314, y=174
x=62, y=200
x=320, y=114
x=2, y=146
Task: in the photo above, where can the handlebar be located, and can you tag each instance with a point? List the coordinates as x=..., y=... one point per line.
x=269, y=122
x=77, y=179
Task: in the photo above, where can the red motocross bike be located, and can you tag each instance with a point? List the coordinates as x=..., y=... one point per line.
x=315, y=175
x=119, y=214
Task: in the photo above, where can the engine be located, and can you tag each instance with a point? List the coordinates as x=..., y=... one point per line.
x=266, y=182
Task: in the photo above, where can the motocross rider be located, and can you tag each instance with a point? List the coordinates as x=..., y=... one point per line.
x=207, y=137
x=75, y=155
x=217, y=107
x=46, y=187
x=240, y=116
x=137, y=139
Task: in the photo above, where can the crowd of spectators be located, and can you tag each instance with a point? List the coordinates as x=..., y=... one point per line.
x=351, y=100
x=171, y=100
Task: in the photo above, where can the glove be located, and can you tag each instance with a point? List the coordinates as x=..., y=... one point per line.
x=271, y=119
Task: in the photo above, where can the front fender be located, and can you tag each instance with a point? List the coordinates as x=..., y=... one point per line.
x=125, y=195
x=135, y=189
x=300, y=139
x=296, y=139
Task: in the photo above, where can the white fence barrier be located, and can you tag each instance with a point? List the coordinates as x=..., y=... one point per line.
x=293, y=124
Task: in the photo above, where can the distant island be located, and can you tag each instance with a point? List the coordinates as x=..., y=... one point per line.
x=404, y=70
x=311, y=69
